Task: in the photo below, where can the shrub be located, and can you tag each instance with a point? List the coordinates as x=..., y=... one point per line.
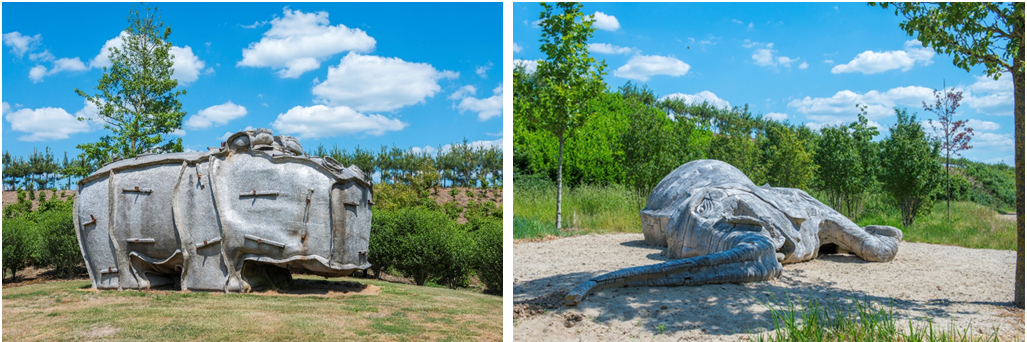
x=17, y=244
x=420, y=243
x=58, y=245
x=487, y=258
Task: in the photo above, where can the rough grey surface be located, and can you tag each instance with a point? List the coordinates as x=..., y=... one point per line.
x=719, y=227
x=231, y=219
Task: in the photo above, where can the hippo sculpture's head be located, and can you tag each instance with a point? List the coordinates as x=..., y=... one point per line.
x=231, y=219
x=719, y=227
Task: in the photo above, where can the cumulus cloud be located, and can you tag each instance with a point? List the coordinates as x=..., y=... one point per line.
x=372, y=83
x=605, y=22
x=529, y=65
x=21, y=44
x=766, y=56
x=187, y=67
x=642, y=67
x=981, y=125
x=215, y=115
x=870, y=62
x=486, y=108
x=609, y=49
x=994, y=141
x=776, y=116
x=462, y=92
x=297, y=42
x=322, y=121
x=879, y=104
x=990, y=96
x=48, y=123
x=517, y=48
x=482, y=71
x=698, y=98
x=37, y=73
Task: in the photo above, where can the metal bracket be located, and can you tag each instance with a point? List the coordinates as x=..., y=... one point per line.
x=137, y=189
x=90, y=222
x=109, y=270
x=255, y=193
x=264, y=241
x=141, y=240
x=206, y=243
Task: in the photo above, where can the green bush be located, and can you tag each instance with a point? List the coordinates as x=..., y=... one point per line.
x=487, y=258
x=58, y=245
x=420, y=243
x=17, y=244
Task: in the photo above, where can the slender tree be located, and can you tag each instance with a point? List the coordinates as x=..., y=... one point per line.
x=980, y=33
x=137, y=99
x=566, y=80
x=911, y=172
x=953, y=135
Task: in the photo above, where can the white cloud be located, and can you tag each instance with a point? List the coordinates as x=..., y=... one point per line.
x=766, y=56
x=48, y=123
x=186, y=66
x=517, y=48
x=994, y=141
x=609, y=49
x=486, y=108
x=178, y=132
x=642, y=67
x=990, y=96
x=776, y=116
x=698, y=98
x=372, y=83
x=224, y=137
x=529, y=65
x=736, y=21
x=829, y=61
x=804, y=66
x=298, y=42
x=605, y=22
x=465, y=91
x=37, y=73
x=870, y=62
x=981, y=125
x=215, y=115
x=750, y=26
x=323, y=121
x=20, y=44
x=44, y=56
x=427, y=149
x=482, y=71
x=6, y=108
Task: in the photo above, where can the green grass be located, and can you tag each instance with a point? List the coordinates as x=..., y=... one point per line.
x=586, y=209
x=862, y=321
x=970, y=225
x=70, y=311
x=613, y=209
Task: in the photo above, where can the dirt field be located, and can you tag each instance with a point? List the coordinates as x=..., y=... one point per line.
x=950, y=285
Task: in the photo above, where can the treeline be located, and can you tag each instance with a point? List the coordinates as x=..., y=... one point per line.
x=634, y=138
x=461, y=164
x=41, y=170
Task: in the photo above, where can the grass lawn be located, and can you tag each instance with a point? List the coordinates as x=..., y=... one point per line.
x=312, y=310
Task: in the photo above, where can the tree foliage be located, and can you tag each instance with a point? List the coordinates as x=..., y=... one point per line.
x=910, y=170
x=137, y=99
x=952, y=135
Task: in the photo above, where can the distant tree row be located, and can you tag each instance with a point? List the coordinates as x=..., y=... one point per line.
x=41, y=170
x=460, y=164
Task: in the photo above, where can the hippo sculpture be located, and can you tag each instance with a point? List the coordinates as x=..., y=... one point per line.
x=719, y=227
x=232, y=219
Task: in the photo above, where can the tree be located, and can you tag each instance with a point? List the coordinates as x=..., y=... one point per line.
x=566, y=80
x=847, y=157
x=988, y=33
x=137, y=99
x=953, y=135
x=910, y=166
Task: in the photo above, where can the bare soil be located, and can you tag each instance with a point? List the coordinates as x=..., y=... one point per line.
x=946, y=284
x=11, y=197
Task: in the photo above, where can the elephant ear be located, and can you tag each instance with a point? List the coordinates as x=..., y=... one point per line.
x=789, y=201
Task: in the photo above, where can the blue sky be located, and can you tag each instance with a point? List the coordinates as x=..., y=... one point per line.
x=807, y=63
x=413, y=75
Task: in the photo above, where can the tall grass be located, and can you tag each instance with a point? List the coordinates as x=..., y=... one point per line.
x=614, y=208
x=862, y=321
x=586, y=209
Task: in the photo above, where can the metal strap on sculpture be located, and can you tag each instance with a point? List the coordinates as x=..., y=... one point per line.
x=231, y=219
x=719, y=227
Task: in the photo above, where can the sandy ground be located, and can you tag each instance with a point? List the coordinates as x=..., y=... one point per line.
x=950, y=285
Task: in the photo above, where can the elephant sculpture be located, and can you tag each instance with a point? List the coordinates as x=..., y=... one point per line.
x=231, y=219
x=719, y=227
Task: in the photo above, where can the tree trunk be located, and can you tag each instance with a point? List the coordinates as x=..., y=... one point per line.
x=1018, y=118
x=559, y=184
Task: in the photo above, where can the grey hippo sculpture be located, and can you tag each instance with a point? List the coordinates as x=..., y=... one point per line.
x=719, y=227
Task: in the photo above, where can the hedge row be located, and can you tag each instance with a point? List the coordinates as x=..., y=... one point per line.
x=427, y=245
x=41, y=238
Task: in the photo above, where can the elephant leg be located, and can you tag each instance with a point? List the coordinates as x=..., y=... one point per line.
x=751, y=258
x=872, y=243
